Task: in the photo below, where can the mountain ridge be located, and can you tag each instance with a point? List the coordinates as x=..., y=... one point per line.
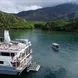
x=51, y=13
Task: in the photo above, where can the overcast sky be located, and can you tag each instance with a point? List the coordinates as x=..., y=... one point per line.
x=15, y=6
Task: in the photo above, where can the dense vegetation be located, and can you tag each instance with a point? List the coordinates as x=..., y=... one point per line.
x=9, y=21
x=59, y=25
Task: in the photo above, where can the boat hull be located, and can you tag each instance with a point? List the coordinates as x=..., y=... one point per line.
x=54, y=48
x=8, y=70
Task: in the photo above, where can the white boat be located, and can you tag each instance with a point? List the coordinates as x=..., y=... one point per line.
x=15, y=56
x=55, y=46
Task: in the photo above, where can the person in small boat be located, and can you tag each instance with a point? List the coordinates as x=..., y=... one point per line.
x=57, y=46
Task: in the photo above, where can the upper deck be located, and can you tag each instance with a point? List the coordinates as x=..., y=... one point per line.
x=12, y=46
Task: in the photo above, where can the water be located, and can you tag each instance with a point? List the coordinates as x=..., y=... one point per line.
x=62, y=64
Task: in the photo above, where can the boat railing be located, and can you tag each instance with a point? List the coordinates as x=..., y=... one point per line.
x=29, y=58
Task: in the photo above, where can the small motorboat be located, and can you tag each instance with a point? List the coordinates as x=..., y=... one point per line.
x=55, y=46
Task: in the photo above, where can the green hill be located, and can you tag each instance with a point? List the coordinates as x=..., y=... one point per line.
x=9, y=21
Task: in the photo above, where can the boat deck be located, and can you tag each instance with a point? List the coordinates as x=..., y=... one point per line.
x=14, y=46
x=33, y=67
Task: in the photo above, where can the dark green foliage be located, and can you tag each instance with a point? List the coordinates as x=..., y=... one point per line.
x=74, y=24
x=60, y=25
x=39, y=24
x=9, y=21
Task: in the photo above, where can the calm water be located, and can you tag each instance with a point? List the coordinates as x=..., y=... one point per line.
x=62, y=64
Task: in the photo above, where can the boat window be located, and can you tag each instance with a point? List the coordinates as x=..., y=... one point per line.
x=56, y=46
x=4, y=54
x=1, y=62
x=12, y=54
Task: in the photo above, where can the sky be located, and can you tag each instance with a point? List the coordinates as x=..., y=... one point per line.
x=15, y=6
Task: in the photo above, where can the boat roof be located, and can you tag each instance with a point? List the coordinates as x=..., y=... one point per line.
x=55, y=44
x=12, y=46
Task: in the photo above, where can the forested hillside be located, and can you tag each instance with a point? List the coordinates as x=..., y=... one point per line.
x=9, y=21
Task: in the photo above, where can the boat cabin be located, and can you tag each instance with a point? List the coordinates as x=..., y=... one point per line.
x=55, y=46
